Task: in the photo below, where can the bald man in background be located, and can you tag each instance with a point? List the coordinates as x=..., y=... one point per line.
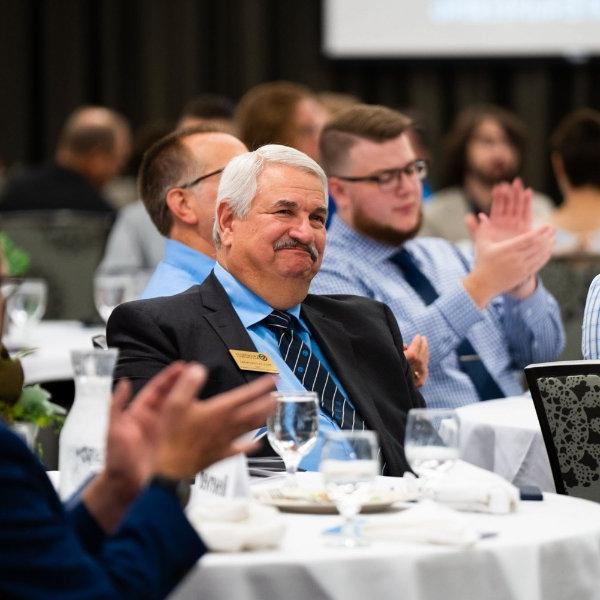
x=92, y=149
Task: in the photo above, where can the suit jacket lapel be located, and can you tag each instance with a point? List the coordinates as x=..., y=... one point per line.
x=225, y=322
x=337, y=348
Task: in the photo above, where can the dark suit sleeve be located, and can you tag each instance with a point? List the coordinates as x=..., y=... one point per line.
x=42, y=556
x=416, y=399
x=144, y=348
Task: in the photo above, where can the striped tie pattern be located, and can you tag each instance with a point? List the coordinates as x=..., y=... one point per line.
x=311, y=372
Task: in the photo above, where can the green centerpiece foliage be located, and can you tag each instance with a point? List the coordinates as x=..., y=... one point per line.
x=29, y=404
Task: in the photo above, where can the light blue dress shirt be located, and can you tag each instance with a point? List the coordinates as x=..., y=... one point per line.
x=590, y=341
x=251, y=310
x=508, y=334
x=180, y=269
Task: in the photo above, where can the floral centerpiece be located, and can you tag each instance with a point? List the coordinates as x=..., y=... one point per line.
x=25, y=409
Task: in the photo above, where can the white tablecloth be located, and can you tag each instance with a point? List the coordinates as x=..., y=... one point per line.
x=54, y=341
x=504, y=436
x=548, y=550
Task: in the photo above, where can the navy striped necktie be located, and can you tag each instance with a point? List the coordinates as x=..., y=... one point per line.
x=468, y=359
x=311, y=372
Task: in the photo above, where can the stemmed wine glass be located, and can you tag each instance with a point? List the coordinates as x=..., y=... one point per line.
x=431, y=442
x=110, y=291
x=26, y=305
x=349, y=466
x=293, y=428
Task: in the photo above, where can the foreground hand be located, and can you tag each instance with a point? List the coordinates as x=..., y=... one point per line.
x=198, y=433
x=134, y=432
x=417, y=355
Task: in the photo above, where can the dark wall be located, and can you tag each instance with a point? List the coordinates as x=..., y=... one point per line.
x=147, y=57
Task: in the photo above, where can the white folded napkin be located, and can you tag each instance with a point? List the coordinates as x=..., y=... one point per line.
x=470, y=488
x=234, y=524
x=427, y=522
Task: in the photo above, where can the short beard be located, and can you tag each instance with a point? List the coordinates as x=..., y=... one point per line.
x=492, y=180
x=383, y=233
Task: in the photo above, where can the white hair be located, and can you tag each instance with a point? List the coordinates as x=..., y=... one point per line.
x=239, y=181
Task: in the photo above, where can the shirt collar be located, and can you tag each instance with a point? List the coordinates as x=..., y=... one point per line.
x=250, y=308
x=191, y=261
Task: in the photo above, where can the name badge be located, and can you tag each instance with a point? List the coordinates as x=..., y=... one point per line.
x=253, y=361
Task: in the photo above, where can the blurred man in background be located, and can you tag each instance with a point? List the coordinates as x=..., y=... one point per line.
x=135, y=246
x=281, y=112
x=92, y=149
x=485, y=147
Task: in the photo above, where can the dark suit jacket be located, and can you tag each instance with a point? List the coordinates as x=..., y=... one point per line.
x=46, y=552
x=52, y=187
x=359, y=337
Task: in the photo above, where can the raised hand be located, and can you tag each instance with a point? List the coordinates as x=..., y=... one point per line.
x=166, y=430
x=508, y=266
x=510, y=213
x=134, y=432
x=197, y=434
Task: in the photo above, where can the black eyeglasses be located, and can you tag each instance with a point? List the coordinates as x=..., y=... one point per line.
x=388, y=180
x=185, y=186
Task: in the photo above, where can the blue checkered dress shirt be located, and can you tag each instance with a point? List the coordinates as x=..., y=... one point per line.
x=508, y=334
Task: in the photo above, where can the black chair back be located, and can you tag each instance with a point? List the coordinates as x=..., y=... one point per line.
x=64, y=248
x=566, y=396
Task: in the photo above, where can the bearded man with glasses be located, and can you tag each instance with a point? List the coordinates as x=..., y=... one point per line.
x=483, y=318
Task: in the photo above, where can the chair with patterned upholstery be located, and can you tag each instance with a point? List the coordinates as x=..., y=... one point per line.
x=566, y=396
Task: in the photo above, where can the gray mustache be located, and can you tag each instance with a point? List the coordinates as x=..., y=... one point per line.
x=290, y=244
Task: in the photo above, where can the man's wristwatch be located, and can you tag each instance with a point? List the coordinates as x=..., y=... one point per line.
x=180, y=487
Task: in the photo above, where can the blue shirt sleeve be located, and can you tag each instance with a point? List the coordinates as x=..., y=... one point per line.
x=46, y=554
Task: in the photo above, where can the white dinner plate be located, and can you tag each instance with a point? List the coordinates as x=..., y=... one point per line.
x=318, y=503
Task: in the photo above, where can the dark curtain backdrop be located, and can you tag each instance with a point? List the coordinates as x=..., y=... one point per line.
x=147, y=57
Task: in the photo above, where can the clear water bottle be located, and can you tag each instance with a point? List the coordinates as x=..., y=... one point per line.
x=82, y=442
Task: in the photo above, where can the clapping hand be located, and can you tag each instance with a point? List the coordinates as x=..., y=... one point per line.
x=417, y=355
x=166, y=430
x=508, y=251
x=197, y=434
x=510, y=213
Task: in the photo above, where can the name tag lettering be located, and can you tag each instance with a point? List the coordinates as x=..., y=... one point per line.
x=253, y=361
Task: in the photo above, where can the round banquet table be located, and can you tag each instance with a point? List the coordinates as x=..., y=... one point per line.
x=504, y=436
x=53, y=341
x=547, y=550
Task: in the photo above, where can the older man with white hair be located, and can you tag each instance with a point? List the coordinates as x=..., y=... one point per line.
x=270, y=235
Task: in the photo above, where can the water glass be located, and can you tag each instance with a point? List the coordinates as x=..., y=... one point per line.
x=82, y=441
x=431, y=442
x=293, y=428
x=110, y=291
x=26, y=304
x=349, y=466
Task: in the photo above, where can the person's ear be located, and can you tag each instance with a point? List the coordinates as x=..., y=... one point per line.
x=225, y=219
x=337, y=190
x=180, y=205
